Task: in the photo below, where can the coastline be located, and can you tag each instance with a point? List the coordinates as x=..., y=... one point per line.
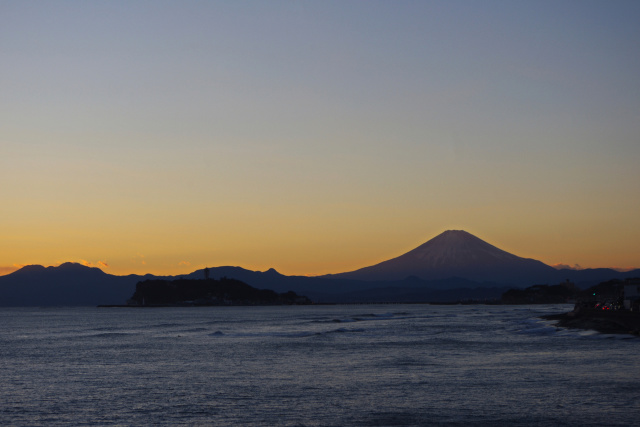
x=606, y=322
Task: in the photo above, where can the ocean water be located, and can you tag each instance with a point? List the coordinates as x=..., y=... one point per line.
x=358, y=365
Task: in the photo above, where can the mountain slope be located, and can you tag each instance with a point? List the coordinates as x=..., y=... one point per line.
x=456, y=253
x=68, y=284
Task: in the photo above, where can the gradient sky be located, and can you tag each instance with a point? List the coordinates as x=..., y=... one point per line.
x=316, y=136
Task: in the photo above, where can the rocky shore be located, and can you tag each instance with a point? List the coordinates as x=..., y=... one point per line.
x=604, y=321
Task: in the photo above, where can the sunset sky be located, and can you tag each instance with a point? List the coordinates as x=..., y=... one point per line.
x=316, y=136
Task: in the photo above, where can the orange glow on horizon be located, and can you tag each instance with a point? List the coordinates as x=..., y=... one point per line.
x=141, y=265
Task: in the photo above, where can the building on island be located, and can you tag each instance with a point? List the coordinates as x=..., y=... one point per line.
x=632, y=294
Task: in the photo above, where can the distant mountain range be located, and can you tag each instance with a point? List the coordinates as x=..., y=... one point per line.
x=453, y=266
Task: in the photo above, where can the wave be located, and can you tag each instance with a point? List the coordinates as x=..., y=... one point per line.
x=111, y=335
x=296, y=334
x=190, y=330
x=548, y=328
x=166, y=325
x=536, y=327
x=365, y=317
x=340, y=331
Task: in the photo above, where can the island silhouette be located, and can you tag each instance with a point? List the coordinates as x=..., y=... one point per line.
x=208, y=292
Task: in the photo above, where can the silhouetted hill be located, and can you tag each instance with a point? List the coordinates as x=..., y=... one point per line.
x=207, y=293
x=66, y=285
x=542, y=294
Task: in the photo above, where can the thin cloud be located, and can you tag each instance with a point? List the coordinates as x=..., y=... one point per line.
x=561, y=266
x=139, y=259
x=99, y=264
x=184, y=263
x=8, y=269
x=623, y=269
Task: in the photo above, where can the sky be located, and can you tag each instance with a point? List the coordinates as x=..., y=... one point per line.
x=316, y=137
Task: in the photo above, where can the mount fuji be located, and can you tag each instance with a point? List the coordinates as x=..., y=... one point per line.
x=457, y=253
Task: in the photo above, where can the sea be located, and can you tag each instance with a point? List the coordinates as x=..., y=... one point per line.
x=333, y=365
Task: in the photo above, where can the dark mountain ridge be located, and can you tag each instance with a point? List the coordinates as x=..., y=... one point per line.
x=68, y=284
x=452, y=266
